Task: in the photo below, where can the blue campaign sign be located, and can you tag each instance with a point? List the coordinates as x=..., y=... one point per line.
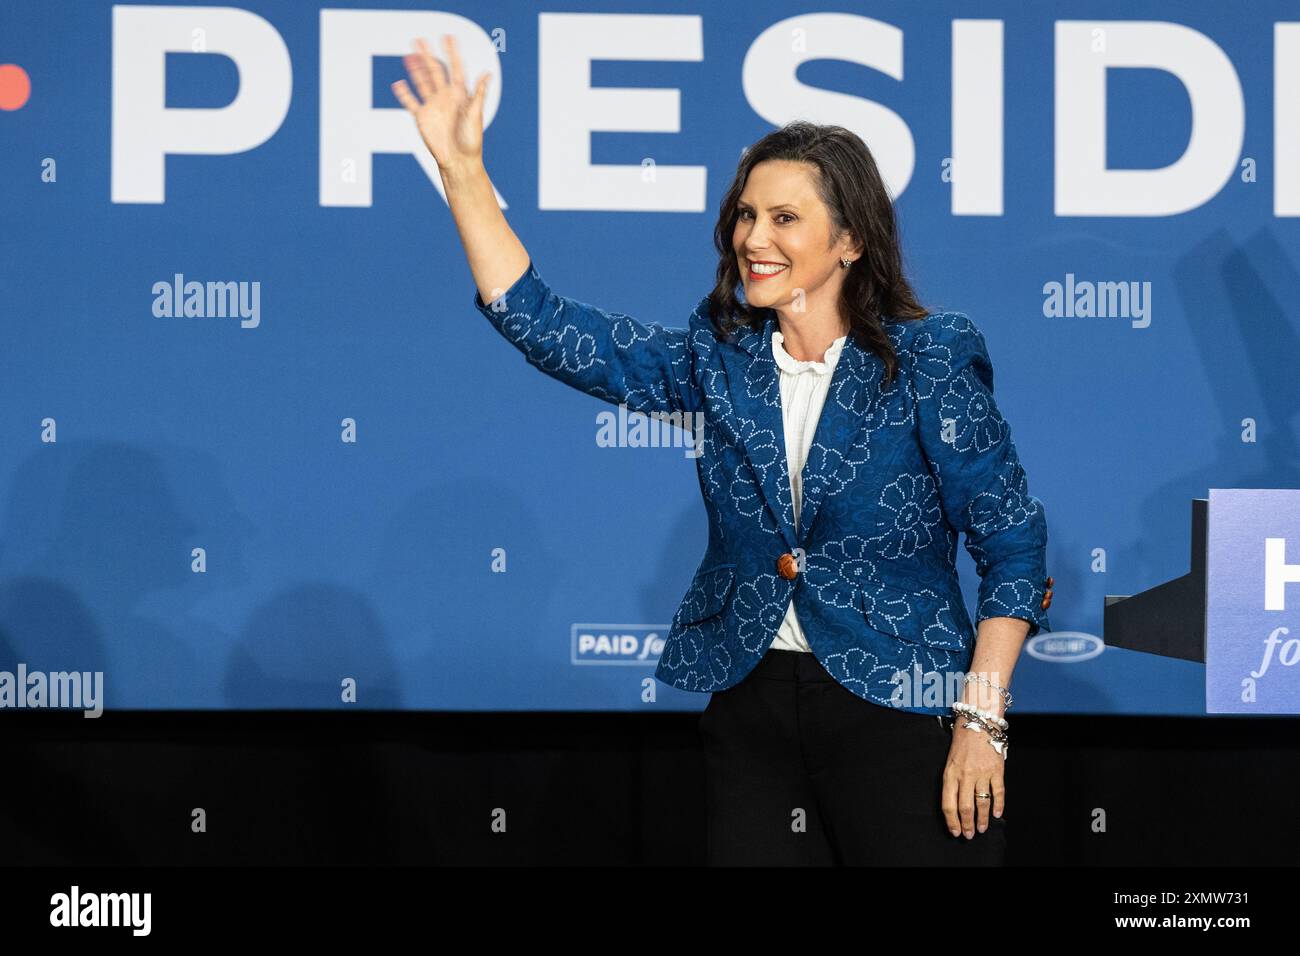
x=1252, y=648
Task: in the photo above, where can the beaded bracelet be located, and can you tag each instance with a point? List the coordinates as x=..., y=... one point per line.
x=963, y=707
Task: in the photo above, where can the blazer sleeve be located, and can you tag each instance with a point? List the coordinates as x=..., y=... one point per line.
x=606, y=354
x=982, y=487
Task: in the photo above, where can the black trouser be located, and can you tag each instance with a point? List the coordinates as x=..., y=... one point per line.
x=801, y=771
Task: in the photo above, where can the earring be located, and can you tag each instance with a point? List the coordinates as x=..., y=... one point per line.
x=846, y=262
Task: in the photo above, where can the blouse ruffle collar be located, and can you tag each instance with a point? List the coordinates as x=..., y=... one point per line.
x=789, y=363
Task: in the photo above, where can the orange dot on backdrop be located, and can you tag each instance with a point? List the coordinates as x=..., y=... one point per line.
x=15, y=87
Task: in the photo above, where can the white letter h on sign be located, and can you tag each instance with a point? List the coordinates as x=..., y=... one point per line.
x=1277, y=574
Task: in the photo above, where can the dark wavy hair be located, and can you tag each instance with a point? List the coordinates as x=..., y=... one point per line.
x=875, y=290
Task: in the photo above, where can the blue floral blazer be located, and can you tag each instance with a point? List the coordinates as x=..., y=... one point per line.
x=893, y=475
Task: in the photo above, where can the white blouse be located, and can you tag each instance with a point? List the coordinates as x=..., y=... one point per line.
x=804, y=385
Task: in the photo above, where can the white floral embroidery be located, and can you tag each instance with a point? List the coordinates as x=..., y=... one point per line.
x=893, y=474
x=909, y=515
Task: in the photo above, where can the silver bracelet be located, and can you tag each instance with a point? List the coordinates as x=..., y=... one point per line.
x=997, y=740
x=980, y=679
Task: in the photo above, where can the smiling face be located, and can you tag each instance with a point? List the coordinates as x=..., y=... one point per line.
x=783, y=240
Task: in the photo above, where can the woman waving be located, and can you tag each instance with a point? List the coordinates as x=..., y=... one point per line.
x=856, y=715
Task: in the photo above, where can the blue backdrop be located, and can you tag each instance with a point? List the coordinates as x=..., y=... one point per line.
x=359, y=479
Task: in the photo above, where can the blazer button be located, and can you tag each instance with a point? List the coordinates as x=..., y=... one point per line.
x=787, y=567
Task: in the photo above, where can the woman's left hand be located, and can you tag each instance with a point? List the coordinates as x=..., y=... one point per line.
x=973, y=767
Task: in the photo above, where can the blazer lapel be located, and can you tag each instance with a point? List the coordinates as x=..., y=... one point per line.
x=755, y=391
x=854, y=387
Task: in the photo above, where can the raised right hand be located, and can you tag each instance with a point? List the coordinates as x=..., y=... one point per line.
x=449, y=119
